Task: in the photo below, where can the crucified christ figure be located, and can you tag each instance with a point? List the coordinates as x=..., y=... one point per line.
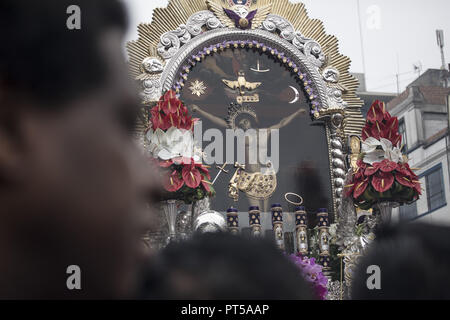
x=246, y=124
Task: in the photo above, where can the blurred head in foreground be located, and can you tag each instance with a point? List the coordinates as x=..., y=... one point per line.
x=223, y=266
x=414, y=262
x=73, y=185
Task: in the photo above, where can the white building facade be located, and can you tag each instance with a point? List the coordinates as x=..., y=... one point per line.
x=423, y=117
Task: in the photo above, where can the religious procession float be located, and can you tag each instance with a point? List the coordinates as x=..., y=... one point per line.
x=250, y=112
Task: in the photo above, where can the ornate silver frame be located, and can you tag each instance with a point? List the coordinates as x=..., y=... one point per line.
x=204, y=28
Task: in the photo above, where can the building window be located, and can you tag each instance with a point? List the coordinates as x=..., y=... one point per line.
x=408, y=212
x=402, y=131
x=435, y=188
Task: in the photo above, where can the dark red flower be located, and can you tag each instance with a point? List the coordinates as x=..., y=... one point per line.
x=170, y=106
x=361, y=164
x=191, y=176
x=404, y=180
x=173, y=182
x=378, y=130
x=206, y=185
x=375, y=113
x=171, y=120
x=165, y=163
x=359, y=174
x=156, y=119
x=184, y=110
x=396, y=139
x=366, y=132
x=186, y=123
x=388, y=165
x=371, y=170
x=382, y=181
x=405, y=170
x=360, y=187
x=387, y=115
x=392, y=124
x=204, y=171
x=349, y=189
x=169, y=95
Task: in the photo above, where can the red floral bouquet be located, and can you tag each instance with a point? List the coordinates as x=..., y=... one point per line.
x=383, y=173
x=171, y=140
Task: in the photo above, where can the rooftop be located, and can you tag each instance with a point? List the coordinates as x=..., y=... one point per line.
x=430, y=88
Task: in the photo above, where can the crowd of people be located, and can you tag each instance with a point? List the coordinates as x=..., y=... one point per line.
x=76, y=190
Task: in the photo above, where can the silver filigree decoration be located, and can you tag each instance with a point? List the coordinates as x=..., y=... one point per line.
x=347, y=217
x=172, y=41
x=274, y=22
x=335, y=100
x=331, y=75
x=210, y=221
x=337, y=157
x=334, y=290
x=151, y=90
x=199, y=207
x=184, y=222
x=353, y=244
x=310, y=48
x=152, y=65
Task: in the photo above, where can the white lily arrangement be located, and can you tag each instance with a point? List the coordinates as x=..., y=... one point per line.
x=372, y=154
x=172, y=144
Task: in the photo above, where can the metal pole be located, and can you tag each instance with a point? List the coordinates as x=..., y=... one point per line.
x=447, y=138
x=398, y=84
x=361, y=38
x=441, y=43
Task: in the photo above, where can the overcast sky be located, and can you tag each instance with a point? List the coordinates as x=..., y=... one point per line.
x=396, y=34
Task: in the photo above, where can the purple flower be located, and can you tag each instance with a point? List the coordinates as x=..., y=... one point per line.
x=312, y=273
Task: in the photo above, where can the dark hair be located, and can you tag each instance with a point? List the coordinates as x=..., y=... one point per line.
x=42, y=58
x=222, y=266
x=414, y=262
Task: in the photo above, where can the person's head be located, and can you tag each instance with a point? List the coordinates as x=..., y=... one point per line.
x=223, y=266
x=413, y=262
x=73, y=185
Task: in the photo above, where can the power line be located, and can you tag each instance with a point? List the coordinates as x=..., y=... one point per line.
x=393, y=83
x=392, y=75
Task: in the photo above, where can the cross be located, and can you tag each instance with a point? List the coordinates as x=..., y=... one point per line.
x=221, y=169
x=258, y=68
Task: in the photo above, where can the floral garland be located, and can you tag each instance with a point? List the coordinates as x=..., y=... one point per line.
x=312, y=273
x=383, y=173
x=171, y=139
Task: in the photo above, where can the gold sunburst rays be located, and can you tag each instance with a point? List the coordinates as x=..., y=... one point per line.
x=164, y=20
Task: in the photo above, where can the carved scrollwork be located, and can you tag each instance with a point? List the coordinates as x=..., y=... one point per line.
x=203, y=18
x=310, y=48
x=335, y=100
x=274, y=22
x=172, y=41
